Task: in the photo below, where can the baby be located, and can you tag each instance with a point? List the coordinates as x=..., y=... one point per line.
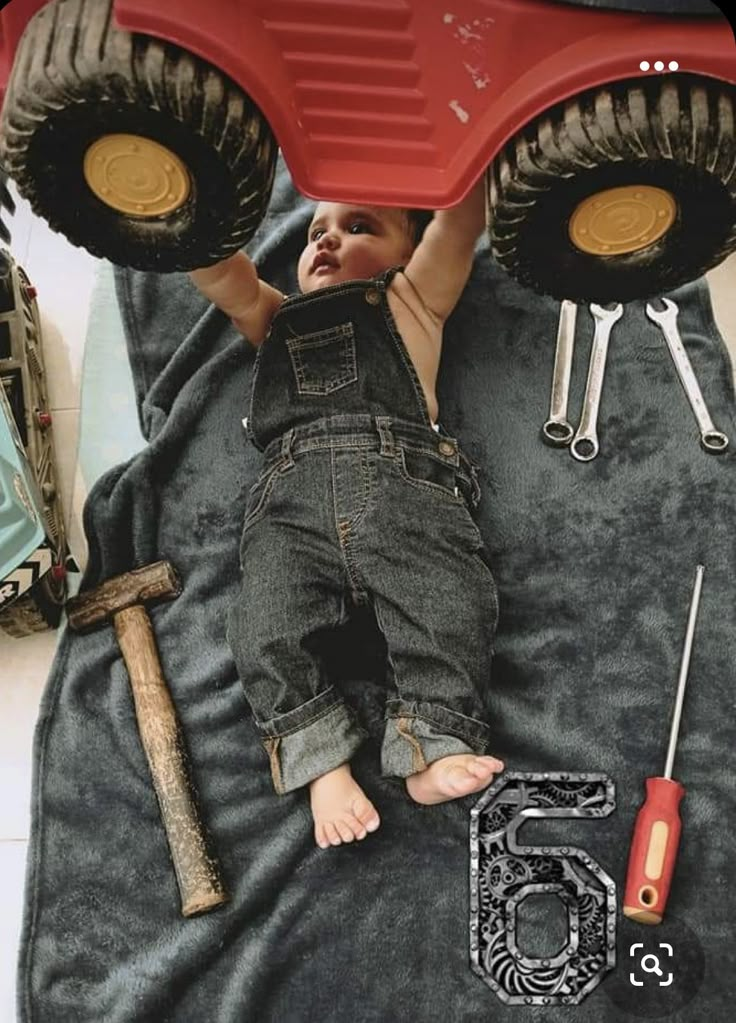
x=363, y=499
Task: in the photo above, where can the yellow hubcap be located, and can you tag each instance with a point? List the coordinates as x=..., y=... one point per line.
x=136, y=175
x=622, y=220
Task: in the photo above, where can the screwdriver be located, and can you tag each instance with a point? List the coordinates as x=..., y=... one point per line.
x=657, y=828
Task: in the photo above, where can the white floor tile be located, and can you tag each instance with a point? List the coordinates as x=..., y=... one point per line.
x=24, y=657
x=12, y=870
x=63, y=361
x=25, y=665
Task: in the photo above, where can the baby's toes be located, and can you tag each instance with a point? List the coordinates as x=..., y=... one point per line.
x=357, y=829
x=345, y=830
x=480, y=768
x=366, y=814
x=331, y=832
x=320, y=837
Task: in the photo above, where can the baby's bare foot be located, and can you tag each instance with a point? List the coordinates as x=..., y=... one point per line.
x=452, y=777
x=340, y=808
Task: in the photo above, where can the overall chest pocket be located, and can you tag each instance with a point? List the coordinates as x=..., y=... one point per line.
x=324, y=362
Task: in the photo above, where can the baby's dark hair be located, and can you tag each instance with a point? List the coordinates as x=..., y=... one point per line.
x=417, y=221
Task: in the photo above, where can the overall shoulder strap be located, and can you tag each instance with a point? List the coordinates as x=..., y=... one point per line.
x=387, y=276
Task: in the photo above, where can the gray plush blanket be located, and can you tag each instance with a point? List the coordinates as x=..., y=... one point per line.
x=594, y=564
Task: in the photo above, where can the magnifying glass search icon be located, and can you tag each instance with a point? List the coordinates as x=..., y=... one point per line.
x=651, y=969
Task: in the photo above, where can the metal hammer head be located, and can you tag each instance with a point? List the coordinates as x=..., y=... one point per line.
x=158, y=581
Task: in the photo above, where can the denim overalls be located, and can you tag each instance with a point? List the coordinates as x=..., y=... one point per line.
x=359, y=499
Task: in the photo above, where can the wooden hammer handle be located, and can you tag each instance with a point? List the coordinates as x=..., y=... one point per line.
x=196, y=871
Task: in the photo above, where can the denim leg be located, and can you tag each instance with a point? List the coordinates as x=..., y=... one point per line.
x=291, y=601
x=436, y=603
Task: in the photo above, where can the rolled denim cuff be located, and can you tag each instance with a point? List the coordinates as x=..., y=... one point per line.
x=417, y=734
x=309, y=741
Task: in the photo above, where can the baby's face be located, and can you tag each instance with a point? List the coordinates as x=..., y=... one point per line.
x=350, y=242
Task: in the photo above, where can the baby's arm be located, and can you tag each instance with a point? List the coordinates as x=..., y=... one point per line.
x=234, y=286
x=440, y=265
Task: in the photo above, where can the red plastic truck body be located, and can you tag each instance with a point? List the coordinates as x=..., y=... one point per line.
x=406, y=102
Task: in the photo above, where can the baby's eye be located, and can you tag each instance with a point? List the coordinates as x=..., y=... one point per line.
x=317, y=233
x=359, y=227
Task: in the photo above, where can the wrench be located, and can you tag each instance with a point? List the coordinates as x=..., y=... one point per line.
x=711, y=440
x=557, y=431
x=584, y=445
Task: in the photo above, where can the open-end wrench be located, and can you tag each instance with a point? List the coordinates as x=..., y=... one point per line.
x=584, y=445
x=711, y=440
x=557, y=431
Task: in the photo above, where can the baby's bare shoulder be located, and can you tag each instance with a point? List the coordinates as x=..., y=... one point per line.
x=419, y=327
x=407, y=296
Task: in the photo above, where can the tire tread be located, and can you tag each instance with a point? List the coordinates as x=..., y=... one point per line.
x=72, y=52
x=684, y=120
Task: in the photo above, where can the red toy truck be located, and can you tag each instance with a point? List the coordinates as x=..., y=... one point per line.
x=148, y=132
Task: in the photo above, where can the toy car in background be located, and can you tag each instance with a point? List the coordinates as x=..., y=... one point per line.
x=148, y=132
x=33, y=547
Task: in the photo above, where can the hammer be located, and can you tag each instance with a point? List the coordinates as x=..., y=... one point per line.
x=121, y=599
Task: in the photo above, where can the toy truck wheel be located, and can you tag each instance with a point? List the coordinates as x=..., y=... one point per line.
x=132, y=148
x=37, y=610
x=621, y=193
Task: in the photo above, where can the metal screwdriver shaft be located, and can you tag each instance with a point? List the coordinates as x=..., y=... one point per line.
x=657, y=828
x=684, y=668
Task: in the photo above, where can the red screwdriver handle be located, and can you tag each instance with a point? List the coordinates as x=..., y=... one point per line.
x=653, y=851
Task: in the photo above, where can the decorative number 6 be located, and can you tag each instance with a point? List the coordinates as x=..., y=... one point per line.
x=504, y=873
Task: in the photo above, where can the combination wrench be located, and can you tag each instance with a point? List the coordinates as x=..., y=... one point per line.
x=557, y=431
x=711, y=440
x=584, y=444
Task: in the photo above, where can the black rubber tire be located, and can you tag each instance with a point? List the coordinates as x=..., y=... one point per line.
x=76, y=77
x=36, y=611
x=675, y=132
